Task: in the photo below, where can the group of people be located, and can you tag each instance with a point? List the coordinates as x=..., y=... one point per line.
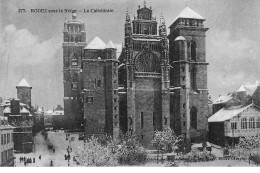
x=26, y=160
x=67, y=157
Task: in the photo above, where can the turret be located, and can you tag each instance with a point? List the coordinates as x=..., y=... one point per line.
x=128, y=27
x=24, y=92
x=180, y=47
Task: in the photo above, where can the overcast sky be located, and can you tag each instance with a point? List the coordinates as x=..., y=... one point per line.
x=31, y=43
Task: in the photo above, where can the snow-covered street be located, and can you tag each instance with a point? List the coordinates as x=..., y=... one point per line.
x=58, y=140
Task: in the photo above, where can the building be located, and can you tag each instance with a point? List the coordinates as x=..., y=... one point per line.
x=73, y=52
x=55, y=119
x=19, y=115
x=229, y=124
x=7, y=144
x=158, y=81
x=187, y=55
x=235, y=115
x=100, y=83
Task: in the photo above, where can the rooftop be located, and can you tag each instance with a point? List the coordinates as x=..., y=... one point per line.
x=223, y=99
x=179, y=38
x=96, y=43
x=110, y=45
x=23, y=83
x=227, y=113
x=188, y=13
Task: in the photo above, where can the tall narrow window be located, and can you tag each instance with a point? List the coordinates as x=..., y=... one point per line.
x=99, y=83
x=193, y=78
x=234, y=125
x=193, y=120
x=244, y=123
x=153, y=119
x=193, y=50
x=142, y=119
x=251, y=123
x=258, y=123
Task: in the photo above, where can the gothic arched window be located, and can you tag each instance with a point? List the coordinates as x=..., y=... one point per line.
x=193, y=119
x=193, y=78
x=193, y=50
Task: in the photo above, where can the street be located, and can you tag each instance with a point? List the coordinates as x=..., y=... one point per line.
x=58, y=140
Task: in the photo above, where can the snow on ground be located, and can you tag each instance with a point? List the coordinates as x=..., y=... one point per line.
x=58, y=140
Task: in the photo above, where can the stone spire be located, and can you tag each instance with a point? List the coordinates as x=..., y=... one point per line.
x=162, y=27
x=127, y=17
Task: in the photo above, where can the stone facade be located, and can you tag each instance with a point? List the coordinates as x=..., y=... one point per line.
x=153, y=84
x=73, y=52
x=143, y=76
x=189, y=99
x=100, y=83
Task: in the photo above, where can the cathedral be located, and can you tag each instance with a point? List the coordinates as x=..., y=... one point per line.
x=158, y=81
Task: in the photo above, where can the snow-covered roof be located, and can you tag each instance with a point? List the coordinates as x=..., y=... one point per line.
x=179, y=38
x=49, y=112
x=223, y=99
x=58, y=113
x=23, y=83
x=227, y=113
x=96, y=43
x=110, y=45
x=241, y=89
x=250, y=88
x=188, y=13
x=7, y=110
x=24, y=111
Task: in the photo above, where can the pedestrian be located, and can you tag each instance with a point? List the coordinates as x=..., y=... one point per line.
x=51, y=164
x=33, y=160
x=24, y=163
x=24, y=159
x=40, y=157
x=65, y=156
x=53, y=150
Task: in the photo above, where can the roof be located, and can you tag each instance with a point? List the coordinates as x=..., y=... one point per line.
x=110, y=45
x=23, y=83
x=223, y=99
x=241, y=89
x=188, y=13
x=227, y=113
x=180, y=38
x=96, y=43
x=24, y=111
x=250, y=88
x=7, y=110
x=6, y=127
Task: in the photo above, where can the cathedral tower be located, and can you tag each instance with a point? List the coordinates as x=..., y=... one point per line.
x=143, y=76
x=73, y=51
x=100, y=83
x=188, y=77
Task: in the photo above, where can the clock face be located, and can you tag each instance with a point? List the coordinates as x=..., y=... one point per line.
x=147, y=62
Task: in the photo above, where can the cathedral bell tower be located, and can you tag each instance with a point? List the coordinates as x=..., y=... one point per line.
x=73, y=51
x=189, y=102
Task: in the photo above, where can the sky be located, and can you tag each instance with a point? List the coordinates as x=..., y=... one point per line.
x=31, y=43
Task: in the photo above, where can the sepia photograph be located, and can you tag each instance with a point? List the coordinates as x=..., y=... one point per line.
x=129, y=83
